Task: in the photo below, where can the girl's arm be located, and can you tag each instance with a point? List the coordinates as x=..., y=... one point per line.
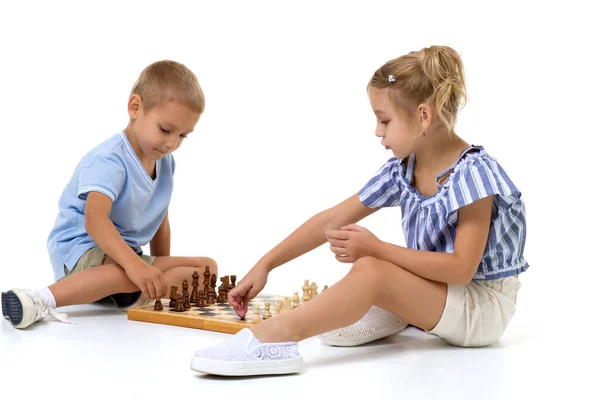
x=311, y=234
x=458, y=267
x=160, y=245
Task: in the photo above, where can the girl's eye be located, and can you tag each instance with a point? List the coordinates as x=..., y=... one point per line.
x=183, y=136
x=164, y=130
x=385, y=122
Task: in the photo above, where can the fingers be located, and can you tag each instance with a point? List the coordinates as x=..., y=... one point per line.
x=145, y=292
x=338, y=243
x=164, y=287
x=337, y=234
x=151, y=291
x=353, y=227
x=345, y=259
x=340, y=251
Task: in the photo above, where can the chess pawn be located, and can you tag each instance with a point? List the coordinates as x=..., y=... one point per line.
x=324, y=288
x=184, y=285
x=256, y=316
x=173, y=297
x=179, y=304
x=233, y=279
x=267, y=312
x=186, y=302
x=158, y=305
x=305, y=291
x=213, y=292
x=313, y=290
x=295, y=300
x=278, y=307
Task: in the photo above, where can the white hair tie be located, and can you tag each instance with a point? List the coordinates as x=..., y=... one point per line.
x=391, y=78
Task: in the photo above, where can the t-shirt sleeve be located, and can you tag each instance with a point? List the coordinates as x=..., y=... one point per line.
x=481, y=178
x=385, y=188
x=106, y=174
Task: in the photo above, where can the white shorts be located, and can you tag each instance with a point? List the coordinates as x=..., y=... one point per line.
x=477, y=314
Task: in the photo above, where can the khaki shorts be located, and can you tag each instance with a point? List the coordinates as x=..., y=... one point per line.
x=94, y=257
x=477, y=314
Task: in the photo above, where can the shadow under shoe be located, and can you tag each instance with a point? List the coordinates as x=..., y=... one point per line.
x=376, y=324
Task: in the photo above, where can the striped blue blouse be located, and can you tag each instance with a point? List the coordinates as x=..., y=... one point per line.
x=430, y=223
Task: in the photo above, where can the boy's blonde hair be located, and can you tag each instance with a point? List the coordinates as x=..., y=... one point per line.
x=432, y=75
x=165, y=81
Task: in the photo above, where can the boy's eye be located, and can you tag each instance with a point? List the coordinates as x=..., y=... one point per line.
x=183, y=136
x=385, y=122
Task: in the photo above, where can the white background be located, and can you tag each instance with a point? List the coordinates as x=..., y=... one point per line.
x=288, y=130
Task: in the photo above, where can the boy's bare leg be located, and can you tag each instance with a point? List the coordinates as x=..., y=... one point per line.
x=98, y=282
x=371, y=281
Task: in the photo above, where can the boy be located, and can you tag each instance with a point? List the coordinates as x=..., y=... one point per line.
x=116, y=202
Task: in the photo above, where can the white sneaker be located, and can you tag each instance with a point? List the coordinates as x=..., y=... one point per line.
x=23, y=307
x=244, y=355
x=376, y=324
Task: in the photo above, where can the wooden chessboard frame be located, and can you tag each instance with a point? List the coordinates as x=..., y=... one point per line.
x=191, y=319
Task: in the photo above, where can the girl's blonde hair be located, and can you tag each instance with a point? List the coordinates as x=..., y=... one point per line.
x=165, y=81
x=432, y=75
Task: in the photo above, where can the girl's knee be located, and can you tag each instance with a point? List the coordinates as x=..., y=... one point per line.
x=368, y=267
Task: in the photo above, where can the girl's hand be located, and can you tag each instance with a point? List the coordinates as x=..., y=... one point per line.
x=352, y=242
x=248, y=288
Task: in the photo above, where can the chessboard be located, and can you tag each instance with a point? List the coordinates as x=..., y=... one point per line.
x=219, y=317
x=204, y=309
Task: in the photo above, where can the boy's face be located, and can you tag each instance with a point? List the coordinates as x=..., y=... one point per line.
x=397, y=133
x=163, y=128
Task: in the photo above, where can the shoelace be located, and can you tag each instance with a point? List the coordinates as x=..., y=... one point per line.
x=42, y=308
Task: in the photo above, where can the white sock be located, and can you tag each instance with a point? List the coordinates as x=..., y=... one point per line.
x=48, y=296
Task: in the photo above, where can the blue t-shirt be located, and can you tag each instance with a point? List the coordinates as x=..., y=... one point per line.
x=139, y=202
x=430, y=223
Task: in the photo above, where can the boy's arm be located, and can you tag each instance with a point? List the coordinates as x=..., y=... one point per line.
x=458, y=267
x=103, y=231
x=160, y=245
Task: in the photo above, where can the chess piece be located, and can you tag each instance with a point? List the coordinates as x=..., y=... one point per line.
x=313, y=290
x=212, y=299
x=295, y=300
x=278, y=307
x=324, y=288
x=256, y=316
x=158, y=305
x=286, y=305
x=202, y=299
x=179, y=303
x=194, y=296
x=173, y=296
x=223, y=289
x=267, y=312
x=305, y=291
x=186, y=302
x=233, y=279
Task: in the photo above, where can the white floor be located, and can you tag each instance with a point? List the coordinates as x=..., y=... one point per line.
x=107, y=356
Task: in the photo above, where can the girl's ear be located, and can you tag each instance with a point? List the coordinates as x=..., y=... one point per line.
x=425, y=116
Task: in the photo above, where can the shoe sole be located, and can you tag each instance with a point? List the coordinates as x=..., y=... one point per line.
x=12, y=309
x=246, y=368
x=358, y=342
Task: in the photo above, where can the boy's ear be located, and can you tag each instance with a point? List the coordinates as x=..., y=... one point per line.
x=134, y=106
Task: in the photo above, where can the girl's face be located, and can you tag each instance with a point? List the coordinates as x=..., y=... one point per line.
x=397, y=131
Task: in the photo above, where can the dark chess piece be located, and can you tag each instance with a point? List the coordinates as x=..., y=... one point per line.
x=184, y=287
x=194, y=296
x=212, y=293
x=158, y=305
x=186, y=302
x=223, y=289
x=206, y=276
x=173, y=296
x=233, y=278
x=179, y=304
x=202, y=299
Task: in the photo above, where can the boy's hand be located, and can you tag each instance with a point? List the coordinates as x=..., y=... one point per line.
x=247, y=289
x=149, y=279
x=352, y=242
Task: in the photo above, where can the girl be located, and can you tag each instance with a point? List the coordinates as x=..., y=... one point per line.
x=463, y=220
